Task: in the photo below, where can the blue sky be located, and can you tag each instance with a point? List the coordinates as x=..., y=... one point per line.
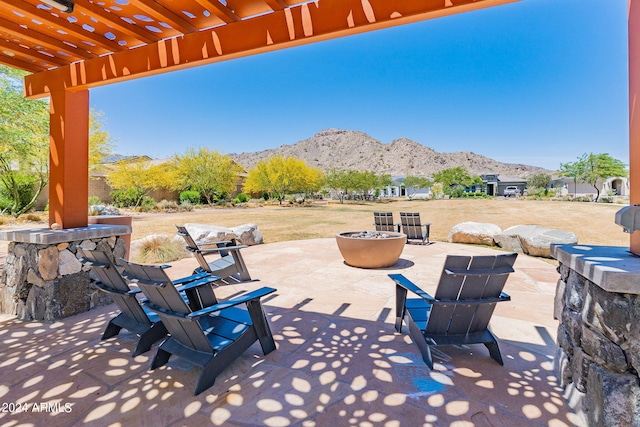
x=538, y=82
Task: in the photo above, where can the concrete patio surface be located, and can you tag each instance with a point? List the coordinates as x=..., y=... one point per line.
x=338, y=362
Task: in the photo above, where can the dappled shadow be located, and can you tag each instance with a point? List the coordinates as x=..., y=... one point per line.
x=327, y=370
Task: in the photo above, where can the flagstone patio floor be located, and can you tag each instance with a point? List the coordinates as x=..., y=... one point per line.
x=338, y=362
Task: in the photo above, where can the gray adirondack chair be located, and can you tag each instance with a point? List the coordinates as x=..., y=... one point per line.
x=228, y=263
x=463, y=304
x=212, y=337
x=132, y=317
x=383, y=221
x=413, y=228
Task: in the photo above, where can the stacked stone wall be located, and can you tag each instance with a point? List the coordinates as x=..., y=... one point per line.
x=598, y=350
x=48, y=282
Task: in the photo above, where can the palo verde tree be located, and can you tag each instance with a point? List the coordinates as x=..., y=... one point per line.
x=24, y=144
x=133, y=181
x=454, y=178
x=212, y=174
x=593, y=168
x=414, y=183
x=279, y=176
x=101, y=144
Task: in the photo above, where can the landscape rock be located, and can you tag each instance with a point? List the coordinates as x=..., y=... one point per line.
x=248, y=234
x=103, y=210
x=533, y=240
x=477, y=233
x=206, y=234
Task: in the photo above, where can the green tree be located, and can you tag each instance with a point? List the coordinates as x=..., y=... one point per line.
x=280, y=176
x=455, y=177
x=342, y=181
x=24, y=145
x=414, y=183
x=345, y=182
x=600, y=167
x=139, y=178
x=212, y=174
x=540, y=180
x=591, y=168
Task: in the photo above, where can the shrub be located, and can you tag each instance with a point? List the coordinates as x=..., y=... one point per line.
x=126, y=197
x=167, y=205
x=5, y=203
x=536, y=191
x=458, y=191
x=146, y=204
x=25, y=185
x=190, y=196
x=94, y=200
x=159, y=249
x=241, y=198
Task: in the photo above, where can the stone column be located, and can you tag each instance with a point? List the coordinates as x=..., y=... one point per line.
x=598, y=354
x=43, y=278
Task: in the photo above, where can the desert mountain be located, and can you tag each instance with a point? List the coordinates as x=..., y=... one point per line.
x=345, y=149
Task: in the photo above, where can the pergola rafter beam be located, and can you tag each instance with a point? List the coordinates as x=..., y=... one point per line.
x=161, y=13
x=47, y=41
x=23, y=51
x=22, y=65
x=220, y=10
x=294, y=26
x=46, y=17
x=115, y=21
x=276, y=4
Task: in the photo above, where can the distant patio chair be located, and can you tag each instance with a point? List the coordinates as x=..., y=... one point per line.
x=383, y=221
x=212, y=337
x=413, y=228
x=133, y=317
x=229, y=263
x=459, y=314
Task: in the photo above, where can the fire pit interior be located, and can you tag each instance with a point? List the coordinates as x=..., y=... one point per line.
x=371, y=249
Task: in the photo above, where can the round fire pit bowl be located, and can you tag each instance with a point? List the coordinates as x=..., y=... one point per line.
x=371, y=249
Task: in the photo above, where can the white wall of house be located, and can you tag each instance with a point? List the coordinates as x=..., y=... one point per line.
x=567, y=187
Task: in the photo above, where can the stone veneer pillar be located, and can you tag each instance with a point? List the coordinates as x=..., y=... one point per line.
x=598, y=349
x=43, y=278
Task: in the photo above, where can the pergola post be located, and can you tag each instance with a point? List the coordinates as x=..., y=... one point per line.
x=634, y=113
x=69, y=158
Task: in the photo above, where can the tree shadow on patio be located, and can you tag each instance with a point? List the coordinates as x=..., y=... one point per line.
x=328, y=369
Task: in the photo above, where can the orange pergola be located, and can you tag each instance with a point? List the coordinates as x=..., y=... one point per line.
x=108, y=41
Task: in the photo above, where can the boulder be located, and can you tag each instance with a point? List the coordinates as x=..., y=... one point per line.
x=533, y=240
x=248, y=234
x=474, y=232
x=203, y=234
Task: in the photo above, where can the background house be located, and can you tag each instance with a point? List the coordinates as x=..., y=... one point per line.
x=495, y=184
x=566, y=186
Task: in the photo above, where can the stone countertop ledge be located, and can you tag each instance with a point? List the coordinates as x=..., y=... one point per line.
x=47, y=236
x=613, y=268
